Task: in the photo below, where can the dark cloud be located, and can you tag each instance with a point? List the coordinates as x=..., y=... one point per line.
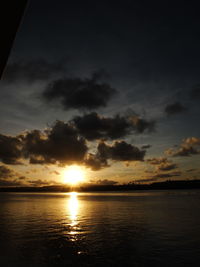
x=167, y=167
x=5, y=172
x=95, y=161
x=77, y=93
x=63, y=144
x=32, y=71
x=146, y=180
x=59, y=144
x=93, y=126
x=190, y=146
x=162, y=164
x=142, y=125
x=120, y=151
x=146, y=146
x=167, y=175
x=9, y=178
x=191, y=170
x=175, y=108
x=157, y=161
x=15, y=182
x=10, y=149
x=40, y=182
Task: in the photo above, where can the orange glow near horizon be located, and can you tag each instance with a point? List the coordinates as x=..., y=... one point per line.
x=73, y=175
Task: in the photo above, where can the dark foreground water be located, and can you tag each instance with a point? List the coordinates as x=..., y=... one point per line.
x=154, y=228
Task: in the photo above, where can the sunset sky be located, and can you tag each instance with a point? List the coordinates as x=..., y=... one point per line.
x=110, y=86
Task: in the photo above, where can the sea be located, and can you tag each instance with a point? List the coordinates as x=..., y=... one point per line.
x=140, y=228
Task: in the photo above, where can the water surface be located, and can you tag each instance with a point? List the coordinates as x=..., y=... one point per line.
x=158, y=228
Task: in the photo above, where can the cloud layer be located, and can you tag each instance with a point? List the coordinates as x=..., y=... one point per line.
x=63, y=144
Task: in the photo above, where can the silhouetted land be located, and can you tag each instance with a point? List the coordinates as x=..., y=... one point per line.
x=179, y=184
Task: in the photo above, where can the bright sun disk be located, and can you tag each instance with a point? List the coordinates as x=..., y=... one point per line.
x=73, y=175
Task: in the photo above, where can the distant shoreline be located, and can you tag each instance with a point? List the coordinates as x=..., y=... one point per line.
x=167, y=185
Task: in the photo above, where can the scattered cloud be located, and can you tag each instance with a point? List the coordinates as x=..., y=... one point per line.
x=5, y=172
x=95, y=161
x=162, y=164
x=189, y=147
x=146, y=180
x=6, y=183
x=175, y=108
x=77, y=93
x=146, y=146
x=191, y=170
x=142, y=125
x=167, y=175
x=10, y=149
x=9, y=177
x=93, y=126
x=120, y=151
x=40, y=182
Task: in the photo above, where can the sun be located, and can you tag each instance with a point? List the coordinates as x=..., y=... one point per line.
x=73, y=175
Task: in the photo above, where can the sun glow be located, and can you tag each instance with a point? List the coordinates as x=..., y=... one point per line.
x=73, y=175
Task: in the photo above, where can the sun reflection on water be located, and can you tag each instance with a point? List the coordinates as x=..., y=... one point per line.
x=73, y=206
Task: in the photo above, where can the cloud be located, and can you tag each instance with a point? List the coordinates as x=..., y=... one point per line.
x=40, y=182
x=175, y=108
x=77, y=93
x=166, y=167
x=95, y=161
x=120, y=151
x=191, y=170
x=9, y=178
x=31, y=71
x=93, y=126
x=189, y=147
x=146, y=180
x=59, y=144
x=10, y=149
x=158, y=176
x=157, y=161
x=192, y=141
x=146, y=146
x=162, y=164
x=10, y=183
x=64, y=144
x=5, y=172
x=142, y=125
x=167, y=175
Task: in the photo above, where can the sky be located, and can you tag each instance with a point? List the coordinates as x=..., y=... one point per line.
x=111, y=87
